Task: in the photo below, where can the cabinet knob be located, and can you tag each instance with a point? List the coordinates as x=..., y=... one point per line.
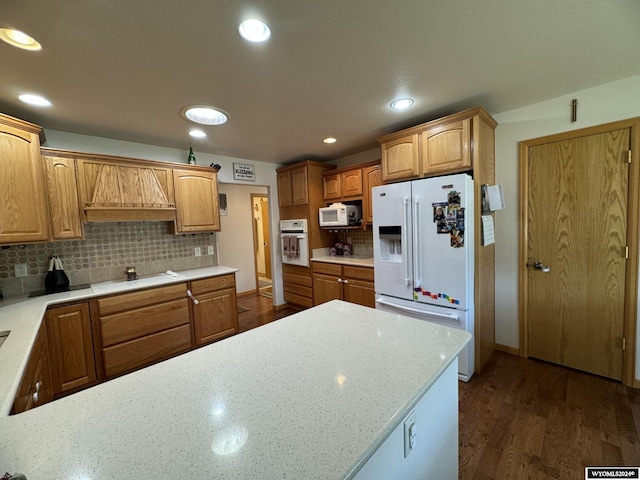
x=36, y=395
x=38, y=385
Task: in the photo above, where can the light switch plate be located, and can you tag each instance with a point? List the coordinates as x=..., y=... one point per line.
x=210, y=250
x=197, y=251
x=409, y=433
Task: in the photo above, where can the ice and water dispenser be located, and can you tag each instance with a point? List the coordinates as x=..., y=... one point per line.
x=390, y=238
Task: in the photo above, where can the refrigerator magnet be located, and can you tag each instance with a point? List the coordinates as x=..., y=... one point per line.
x=454, y=198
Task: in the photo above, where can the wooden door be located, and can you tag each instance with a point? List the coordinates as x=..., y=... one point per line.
x=326, y=288
x=360, y=292
x=197, y=204
x=577, y=227
x=71, y=347
x=64, y=207
x=351, y=183
x=331, y=187
x=299, y=188
x=215, y=316
x=446, y=148
x=285, y=194
x=264, y=207
x=372, y=178
x=400, y=159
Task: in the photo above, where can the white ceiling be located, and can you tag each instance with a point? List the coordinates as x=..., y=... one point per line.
x=124, y=69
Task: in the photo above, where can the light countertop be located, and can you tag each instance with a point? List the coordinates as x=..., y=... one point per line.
x=352, y=260
x=310, y=396
x=22, y=316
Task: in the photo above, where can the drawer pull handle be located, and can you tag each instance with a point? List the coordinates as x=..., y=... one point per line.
x=194, y=299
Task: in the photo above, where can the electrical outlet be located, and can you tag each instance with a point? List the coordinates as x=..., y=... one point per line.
x=409, y=434
x=210, y=250
x=21, y=269
x=197, y=251
x=348, y=239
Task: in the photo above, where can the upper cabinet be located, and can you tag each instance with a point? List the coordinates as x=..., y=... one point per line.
x=292, y=187
x=62, y=189
x=442, y=146
x=24, y=214
x=342, y=185
x=445, y=148
x=197, y=200
x=124, y=189
x=400, y=158
x=372, y=177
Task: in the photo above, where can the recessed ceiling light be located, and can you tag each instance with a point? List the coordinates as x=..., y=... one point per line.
x=401, y=103
x=197, y=134
x=254, y=30
x=205, y=115
x=19, y=39
x=36, y=100
x=329, y=140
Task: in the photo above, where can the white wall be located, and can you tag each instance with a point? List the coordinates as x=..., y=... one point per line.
x=265, y=176
x=607, y=103
x=235, y=240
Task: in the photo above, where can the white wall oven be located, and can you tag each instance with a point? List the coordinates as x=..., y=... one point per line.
x=294, y=243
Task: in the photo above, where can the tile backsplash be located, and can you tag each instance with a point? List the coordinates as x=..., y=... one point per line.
x=108, y=248
x=362, y=241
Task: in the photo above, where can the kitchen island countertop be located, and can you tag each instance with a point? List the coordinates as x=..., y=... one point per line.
x=359, y=261
x=310, y=396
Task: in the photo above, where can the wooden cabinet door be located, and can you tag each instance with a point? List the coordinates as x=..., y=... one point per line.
x=215, y=316
x=372, y=177
x=351, y=183
x=197, y=207
x=331, y=187
x=359, y=291
x=446, y=148
x=285, y=195
x=299, y=188
x=400, y=159
x=35, y=388
x=64, y=206
x=23, y=210
x=70, y=347
x=326, y=288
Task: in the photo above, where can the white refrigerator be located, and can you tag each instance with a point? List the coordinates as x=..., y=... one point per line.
x=423, y=253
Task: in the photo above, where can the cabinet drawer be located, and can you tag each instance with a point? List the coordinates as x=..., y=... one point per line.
x=142, y=298
x=298, y=300
x=298, y=289
x=213, y=283
x=361, y=273
x=293, y=278
x=146, y=350
x=125, y=326
x=327, y=268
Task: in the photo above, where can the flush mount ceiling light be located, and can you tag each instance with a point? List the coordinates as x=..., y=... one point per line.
x=19, y=39
x=401, y=104
x=254, y=30
x=329, y=140
x=205, y=115
x=36, y=100
x=197, y=134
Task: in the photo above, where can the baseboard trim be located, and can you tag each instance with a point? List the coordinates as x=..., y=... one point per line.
x=507, y=349
x=636, y=383
x=246, y=294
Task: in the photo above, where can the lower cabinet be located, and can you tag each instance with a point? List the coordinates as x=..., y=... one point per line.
x=36, y=387
x=70, y=347
x=215, y=316
x=143, y=327
x=298, y=285
x=332, y=281
x=78, y=346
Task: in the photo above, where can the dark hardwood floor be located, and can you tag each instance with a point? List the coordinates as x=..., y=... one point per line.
x=527, y=419
x=259, y=311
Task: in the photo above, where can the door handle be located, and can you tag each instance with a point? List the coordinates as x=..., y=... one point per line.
x=540, y=266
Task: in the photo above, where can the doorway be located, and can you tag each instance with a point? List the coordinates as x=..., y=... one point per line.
x=579, y=249
x=261, y=236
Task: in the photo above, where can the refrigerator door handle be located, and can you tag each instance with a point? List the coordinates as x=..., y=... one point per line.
x=415, y=310
x=416, y=243
x=405, y=262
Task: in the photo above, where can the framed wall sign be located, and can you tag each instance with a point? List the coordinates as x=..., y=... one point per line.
x=244, y=172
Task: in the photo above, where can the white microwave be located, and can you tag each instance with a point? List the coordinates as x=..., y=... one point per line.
x=339, y=215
